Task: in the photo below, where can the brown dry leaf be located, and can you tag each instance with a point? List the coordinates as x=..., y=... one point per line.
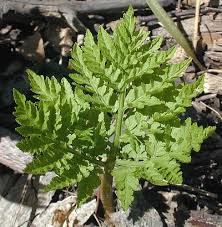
x=56, y=214
x=78, y=217
x=59, y=217
x=210, y=38
x=60, y=37
x=33, y=48
x=65, y=214
x=66, y=42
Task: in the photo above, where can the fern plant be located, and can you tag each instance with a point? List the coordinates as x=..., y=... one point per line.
x=119, y=119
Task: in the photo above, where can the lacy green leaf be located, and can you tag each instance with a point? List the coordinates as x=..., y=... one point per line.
x=126, y=184
x=44, y=88
x=187, y=138
x=120, y=114
x=139, y=97
x=86, y=187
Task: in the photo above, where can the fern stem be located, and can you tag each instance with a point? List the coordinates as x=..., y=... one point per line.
x=119, y=120
x=106, y=192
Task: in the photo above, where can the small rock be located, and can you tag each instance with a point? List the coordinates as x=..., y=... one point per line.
x=10, y=155
x=81, y=215
x=80, y=39
x=63, y=213
x=150, y=218
x=56, y=214
x=22, y=203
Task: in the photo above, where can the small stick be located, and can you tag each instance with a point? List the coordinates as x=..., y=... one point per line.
x=197, y=190
x=217, y=113
x=196, y=25
x=97, y=220
x=214, y=70
x=178, y=5
x=210, y=71
x=175, y=14
x=205, y=97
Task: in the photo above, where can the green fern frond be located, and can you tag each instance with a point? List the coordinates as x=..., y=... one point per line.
x=87, y=185
x=124, y=105
x=126, y=182
x=45, y=89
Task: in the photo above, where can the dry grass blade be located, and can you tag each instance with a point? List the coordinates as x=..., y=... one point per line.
x=173, y=30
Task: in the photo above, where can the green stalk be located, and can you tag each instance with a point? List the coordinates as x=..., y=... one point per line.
x=168, y=23
x=119, y=120
x=106, y=192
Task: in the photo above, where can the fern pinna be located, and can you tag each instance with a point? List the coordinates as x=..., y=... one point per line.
x=120, y=117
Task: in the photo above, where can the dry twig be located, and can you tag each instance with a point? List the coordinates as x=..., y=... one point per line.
x=152, y=20
x=205, y=97
x=197, y=191
x=196, y=25
x=209, y=107
x=23, y=195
